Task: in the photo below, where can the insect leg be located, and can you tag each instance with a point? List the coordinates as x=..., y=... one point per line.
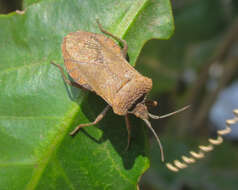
x=65, y=78
x=128, y=127
x=125, y=46
x=98, y=118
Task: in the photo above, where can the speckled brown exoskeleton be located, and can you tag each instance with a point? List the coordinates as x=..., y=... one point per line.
x=97, y=63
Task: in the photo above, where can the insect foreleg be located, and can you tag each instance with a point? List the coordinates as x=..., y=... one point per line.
x=125, y=46
x=98, y=118
x=128, y=127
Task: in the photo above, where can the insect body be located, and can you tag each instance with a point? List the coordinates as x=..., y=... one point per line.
x=98, y=64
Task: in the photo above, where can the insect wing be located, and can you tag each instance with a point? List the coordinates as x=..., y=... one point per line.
x=96, y=61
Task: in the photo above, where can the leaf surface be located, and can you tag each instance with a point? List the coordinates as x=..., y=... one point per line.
x=38, y=110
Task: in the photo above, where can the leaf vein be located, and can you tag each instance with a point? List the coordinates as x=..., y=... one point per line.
x=129, y=17
x=30, y=117
x=115, y=166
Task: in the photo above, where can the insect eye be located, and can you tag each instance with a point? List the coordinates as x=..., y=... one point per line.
x=139, y=100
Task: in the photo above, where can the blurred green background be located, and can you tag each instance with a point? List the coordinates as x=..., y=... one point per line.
x=196, y=66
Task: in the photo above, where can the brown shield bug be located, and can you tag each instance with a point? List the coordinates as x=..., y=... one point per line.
x=96, y=63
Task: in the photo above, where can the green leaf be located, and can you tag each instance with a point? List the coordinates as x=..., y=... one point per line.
x=38, y=110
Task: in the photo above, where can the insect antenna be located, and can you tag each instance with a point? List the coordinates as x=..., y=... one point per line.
x=169, y=114
x=157, y=138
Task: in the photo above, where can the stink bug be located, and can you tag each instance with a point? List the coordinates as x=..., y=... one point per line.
x=96, y=63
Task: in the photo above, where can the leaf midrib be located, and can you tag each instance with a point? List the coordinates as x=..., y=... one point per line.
x=46, y=156
x=129, y=17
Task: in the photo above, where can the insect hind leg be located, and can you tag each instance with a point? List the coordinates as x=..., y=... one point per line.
x=65, y=78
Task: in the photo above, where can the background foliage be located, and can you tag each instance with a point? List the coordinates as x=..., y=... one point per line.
x=194, y=67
